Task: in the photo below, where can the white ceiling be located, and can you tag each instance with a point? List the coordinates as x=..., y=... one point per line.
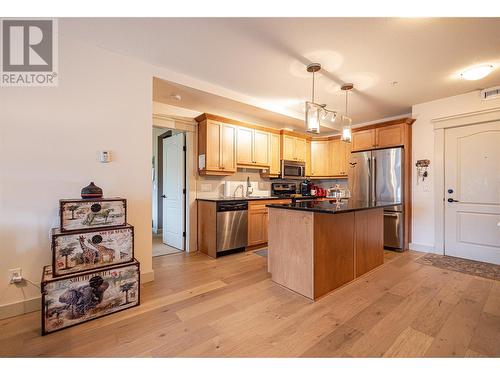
x=261, y=61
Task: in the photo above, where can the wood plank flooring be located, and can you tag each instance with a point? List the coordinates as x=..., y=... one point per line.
x=229, y=307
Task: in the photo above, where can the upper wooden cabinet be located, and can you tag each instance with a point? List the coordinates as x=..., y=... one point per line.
x=389, y=136
x=252, y=147
x=274, y=151
x=363, y=140
x=216, y=148
x=320, y=158
x=293, y=148
x=381, y=136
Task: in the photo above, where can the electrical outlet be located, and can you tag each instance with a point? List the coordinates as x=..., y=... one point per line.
x=15, y=275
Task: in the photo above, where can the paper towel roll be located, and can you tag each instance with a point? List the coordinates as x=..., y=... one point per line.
x=227, y=189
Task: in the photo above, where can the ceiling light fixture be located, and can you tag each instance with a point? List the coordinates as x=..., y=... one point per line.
x=346, y=135
x=315, y=113
x=477, y=72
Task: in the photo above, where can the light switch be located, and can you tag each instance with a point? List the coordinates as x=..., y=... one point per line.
x=104, y=156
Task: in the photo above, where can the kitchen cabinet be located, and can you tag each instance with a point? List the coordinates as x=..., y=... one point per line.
x=320, y=158
x=216, y=148
x=389, y=136
x=274, y=155
x=363, y=140
x=293, y=148
x=257, y=226
x=379, y=137
x=252, y=147
x=340, y=153
x=308, y=158
x=258, y=220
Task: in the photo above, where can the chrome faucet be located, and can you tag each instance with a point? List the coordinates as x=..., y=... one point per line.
x=242, y=189
x=249, y=187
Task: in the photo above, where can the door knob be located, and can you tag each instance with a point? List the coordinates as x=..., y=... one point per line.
x=451, y=200
x=163, y=196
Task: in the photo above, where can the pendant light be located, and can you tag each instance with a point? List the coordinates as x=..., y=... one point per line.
x=346, y=135
x=312, y=109
x=315, y=113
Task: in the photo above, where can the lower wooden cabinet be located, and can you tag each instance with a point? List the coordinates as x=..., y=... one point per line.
x=258, y=220
x=257, y=226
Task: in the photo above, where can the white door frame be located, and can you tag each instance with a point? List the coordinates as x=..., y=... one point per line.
x=181, y=190
x=189, y=126
x=440, y=124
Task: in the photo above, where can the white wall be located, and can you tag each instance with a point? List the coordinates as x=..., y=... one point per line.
x=49, y=138
x=423, y=148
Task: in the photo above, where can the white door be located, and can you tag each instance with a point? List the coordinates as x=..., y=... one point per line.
x=472, y=196
x=173, y=187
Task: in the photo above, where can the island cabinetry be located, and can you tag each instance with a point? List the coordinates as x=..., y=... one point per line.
x=314, y=253
x=369, y=241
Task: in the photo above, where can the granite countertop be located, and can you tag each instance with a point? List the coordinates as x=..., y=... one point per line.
x=256, y=198
x=327, y=207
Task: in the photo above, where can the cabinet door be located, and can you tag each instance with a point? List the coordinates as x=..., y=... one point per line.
x=363, y=140
x=257, y=226
x=320, y=158
x=308, y=159
x=288, y=147
x=244, y=146
x=336, y=156
x=346, y=153
x=300, y=149
x=212, y=157
x=274, y=156
x=261, y=148
x=227, y=147
x=389, y=136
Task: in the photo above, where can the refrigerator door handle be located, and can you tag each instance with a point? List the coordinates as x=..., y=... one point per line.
x=374, y=179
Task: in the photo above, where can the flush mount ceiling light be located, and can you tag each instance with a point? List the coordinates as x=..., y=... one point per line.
x=477, y=72
x=315, y=113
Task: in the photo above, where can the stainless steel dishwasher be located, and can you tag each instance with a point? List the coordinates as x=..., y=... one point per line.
x=232, y=226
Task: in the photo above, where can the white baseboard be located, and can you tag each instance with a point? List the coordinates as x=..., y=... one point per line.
x=20, y=307
x=35, y=304
x=424, y=248
x=147, y=277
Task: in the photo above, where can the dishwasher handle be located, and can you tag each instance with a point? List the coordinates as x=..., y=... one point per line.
x=232, y=206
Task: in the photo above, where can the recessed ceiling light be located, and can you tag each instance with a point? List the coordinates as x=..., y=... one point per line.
x=176, y=97
x=393, y=83
x=477, y=72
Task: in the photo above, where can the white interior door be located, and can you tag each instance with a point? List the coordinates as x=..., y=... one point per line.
x=173, y=186
x=472, y=196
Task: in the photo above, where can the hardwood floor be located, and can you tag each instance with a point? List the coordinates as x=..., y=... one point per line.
x=201, y=307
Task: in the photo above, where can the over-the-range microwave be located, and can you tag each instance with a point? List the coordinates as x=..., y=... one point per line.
x=293, y=169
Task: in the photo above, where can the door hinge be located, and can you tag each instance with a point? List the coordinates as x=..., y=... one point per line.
x=183, y=234
x=184, y=191
x=183, y=148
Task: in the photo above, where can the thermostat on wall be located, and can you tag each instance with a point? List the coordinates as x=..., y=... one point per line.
x=104, y=156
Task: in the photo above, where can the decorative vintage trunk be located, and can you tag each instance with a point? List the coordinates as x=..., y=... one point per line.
x=74, y=299
x=82, y=250
x=81, y=214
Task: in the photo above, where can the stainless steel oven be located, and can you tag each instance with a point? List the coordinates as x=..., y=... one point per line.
x=293, y=169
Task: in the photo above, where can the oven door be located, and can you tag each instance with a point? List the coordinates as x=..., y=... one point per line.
x=293, y=169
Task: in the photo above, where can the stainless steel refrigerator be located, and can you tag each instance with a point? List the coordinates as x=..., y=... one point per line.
x=378, y=176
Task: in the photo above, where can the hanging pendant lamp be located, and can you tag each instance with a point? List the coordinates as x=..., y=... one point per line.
x=346, y=134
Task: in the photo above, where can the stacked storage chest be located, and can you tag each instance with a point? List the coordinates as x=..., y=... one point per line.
x=93, y=272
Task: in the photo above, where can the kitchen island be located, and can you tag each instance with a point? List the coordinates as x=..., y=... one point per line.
x=318, y=246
